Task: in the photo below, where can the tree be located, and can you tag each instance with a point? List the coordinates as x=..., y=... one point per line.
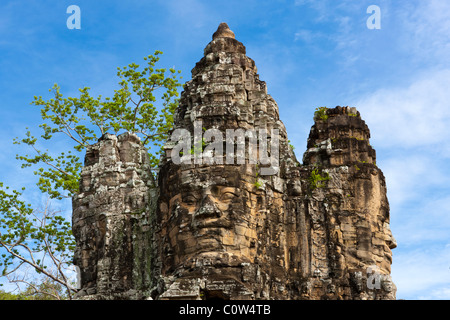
x=38, y=239
x=46, y=289
x=11, y=296
x=143, y=104
x=132, y=108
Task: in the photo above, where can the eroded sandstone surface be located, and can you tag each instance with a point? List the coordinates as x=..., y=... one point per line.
x=235, y=225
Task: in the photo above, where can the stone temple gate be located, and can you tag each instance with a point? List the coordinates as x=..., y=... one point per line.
x=315, y=229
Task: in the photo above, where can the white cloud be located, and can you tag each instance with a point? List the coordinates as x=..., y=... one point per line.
x=322, y=8
x=402, y=178
x=421, y=222
x=437, y=294
x=409, y=127
x=422, y=273
x=411, y=117
x=195, y=12
x=302, y=2
x=427, y=30
x=306, y=35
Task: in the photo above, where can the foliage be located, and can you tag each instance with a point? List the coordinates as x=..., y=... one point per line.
x=199, y=147
x=41, y=240
x=321, y=113
x=317, y=180
x=258, y=184
x=11, y=296
x=291, y=145
x=133, y=107
x=46, y=290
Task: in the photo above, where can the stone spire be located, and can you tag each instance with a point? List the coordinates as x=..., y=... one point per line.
x=347, y=211
x=223, y=31
x=110, y=219
x=241, y=252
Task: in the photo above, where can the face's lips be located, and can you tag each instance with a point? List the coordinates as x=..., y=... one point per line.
x=388, y=256
x=218, y=223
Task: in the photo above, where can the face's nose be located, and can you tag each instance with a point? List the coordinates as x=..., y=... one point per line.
x=208, y=209
x=390, y=240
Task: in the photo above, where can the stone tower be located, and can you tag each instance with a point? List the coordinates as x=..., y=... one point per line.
x=234, y=214
x=111, y=219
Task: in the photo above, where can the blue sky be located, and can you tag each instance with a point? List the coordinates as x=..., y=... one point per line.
x=310, y=53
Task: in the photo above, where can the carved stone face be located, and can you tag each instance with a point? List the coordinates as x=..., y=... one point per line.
x=391, y=243
x=386, y=283
x=210, y=207
x=357, y=279
x=208, y=215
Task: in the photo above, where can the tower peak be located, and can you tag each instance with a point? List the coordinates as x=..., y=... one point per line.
x=223, y=31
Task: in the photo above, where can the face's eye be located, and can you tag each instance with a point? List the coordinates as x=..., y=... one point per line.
x=215, y=190
x=190, y=200
x=227, y=196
